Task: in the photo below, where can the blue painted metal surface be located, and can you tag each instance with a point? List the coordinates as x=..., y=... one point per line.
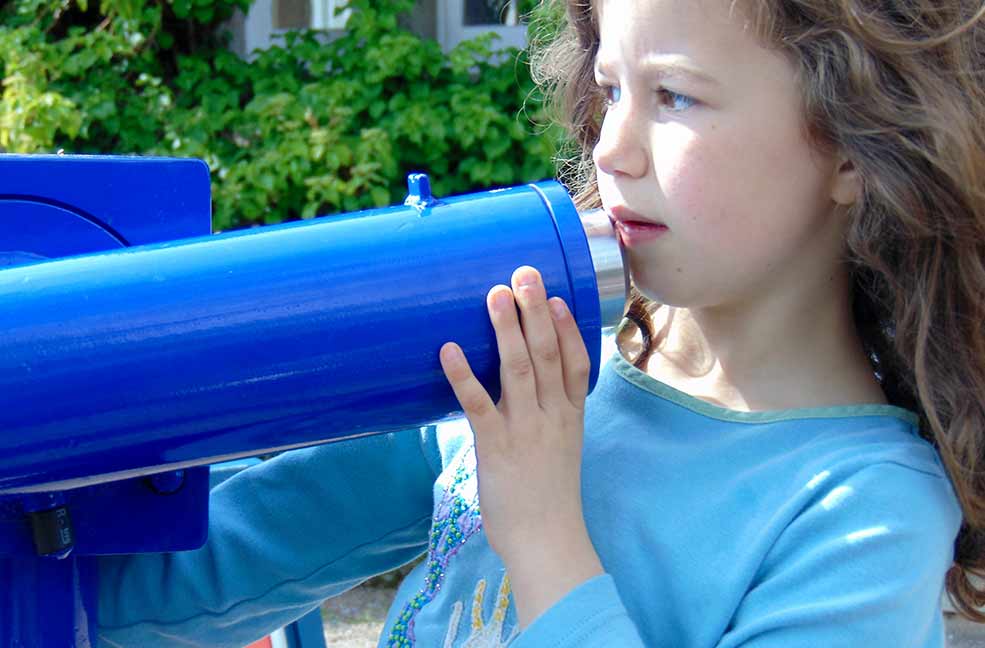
x=167, y=356
x=127, y=369
x=126, y=200
x=48, y=603
x=52, y=207
x=306, y=632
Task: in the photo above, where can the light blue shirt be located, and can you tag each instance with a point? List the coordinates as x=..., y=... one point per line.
x=796, y=528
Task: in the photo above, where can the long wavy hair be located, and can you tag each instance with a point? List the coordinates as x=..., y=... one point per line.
x=898, y=88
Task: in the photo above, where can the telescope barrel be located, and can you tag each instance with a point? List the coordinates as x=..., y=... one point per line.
x=164, y=356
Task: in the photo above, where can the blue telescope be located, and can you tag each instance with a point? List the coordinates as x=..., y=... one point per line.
x=138, y=348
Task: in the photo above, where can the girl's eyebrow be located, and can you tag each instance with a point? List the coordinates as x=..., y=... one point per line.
x=662, y=66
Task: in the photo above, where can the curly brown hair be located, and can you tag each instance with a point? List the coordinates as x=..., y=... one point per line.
x=898, y=88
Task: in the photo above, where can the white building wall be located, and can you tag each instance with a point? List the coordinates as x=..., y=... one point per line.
x=440, y=19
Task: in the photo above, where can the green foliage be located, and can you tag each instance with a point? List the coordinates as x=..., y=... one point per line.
x=306, y=127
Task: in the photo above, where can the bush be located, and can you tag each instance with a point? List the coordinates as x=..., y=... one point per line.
x=304, y=128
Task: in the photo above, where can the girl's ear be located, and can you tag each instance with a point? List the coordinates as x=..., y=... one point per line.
x=846, y=186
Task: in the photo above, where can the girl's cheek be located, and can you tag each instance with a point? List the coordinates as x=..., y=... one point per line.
x=696, y=185
x=674, y=160
x=702, y=173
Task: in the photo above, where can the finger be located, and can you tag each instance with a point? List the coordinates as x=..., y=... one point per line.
x=471, y=395
x=574, y=355
x=541, y=338
x=516, y=373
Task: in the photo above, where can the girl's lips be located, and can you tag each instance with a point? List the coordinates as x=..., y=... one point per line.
x=627, y=215
x=633, y=233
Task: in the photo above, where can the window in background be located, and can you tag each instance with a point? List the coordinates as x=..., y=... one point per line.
x=491, y=12
x=460, y=20
x=313, y=14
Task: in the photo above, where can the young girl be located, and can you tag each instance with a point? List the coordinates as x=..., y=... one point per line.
x=776, y=454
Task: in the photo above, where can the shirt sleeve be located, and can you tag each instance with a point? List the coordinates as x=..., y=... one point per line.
x=862, y=565
x=589, y=616
x=283, y=536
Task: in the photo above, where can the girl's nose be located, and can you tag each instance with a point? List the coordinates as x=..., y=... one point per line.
x=621, y=149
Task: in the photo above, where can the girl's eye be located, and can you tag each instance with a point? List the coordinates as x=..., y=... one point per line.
x=674, y=101
x=669, y=100
x=612, y=94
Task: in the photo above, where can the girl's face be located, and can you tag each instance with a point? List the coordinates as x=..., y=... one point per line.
x=704, y=134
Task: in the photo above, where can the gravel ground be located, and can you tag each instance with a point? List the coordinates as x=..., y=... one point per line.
x=355, y=620
x=962, y=633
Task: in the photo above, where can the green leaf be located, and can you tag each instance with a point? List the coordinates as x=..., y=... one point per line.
x=377, y=108
x=380, y=196
x=496, y=146
x=181, y=8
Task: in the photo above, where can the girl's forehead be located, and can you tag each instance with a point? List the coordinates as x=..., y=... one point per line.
x=709, y=32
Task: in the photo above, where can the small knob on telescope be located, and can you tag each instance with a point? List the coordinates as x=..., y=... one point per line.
x=419, y=191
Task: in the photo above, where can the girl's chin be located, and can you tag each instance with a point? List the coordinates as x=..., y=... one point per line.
x=660, y=295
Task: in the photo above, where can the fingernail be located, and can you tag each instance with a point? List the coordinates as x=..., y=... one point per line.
x=527, y=278
x=452, y=354
x=558, y=309
x=501, y=301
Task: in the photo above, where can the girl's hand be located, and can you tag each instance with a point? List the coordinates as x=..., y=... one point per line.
x=528, y=446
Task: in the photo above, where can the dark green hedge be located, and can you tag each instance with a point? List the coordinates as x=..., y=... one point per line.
x=307, y=127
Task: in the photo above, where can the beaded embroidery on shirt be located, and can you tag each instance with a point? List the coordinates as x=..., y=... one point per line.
x=484, y=634
x=456, y=519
